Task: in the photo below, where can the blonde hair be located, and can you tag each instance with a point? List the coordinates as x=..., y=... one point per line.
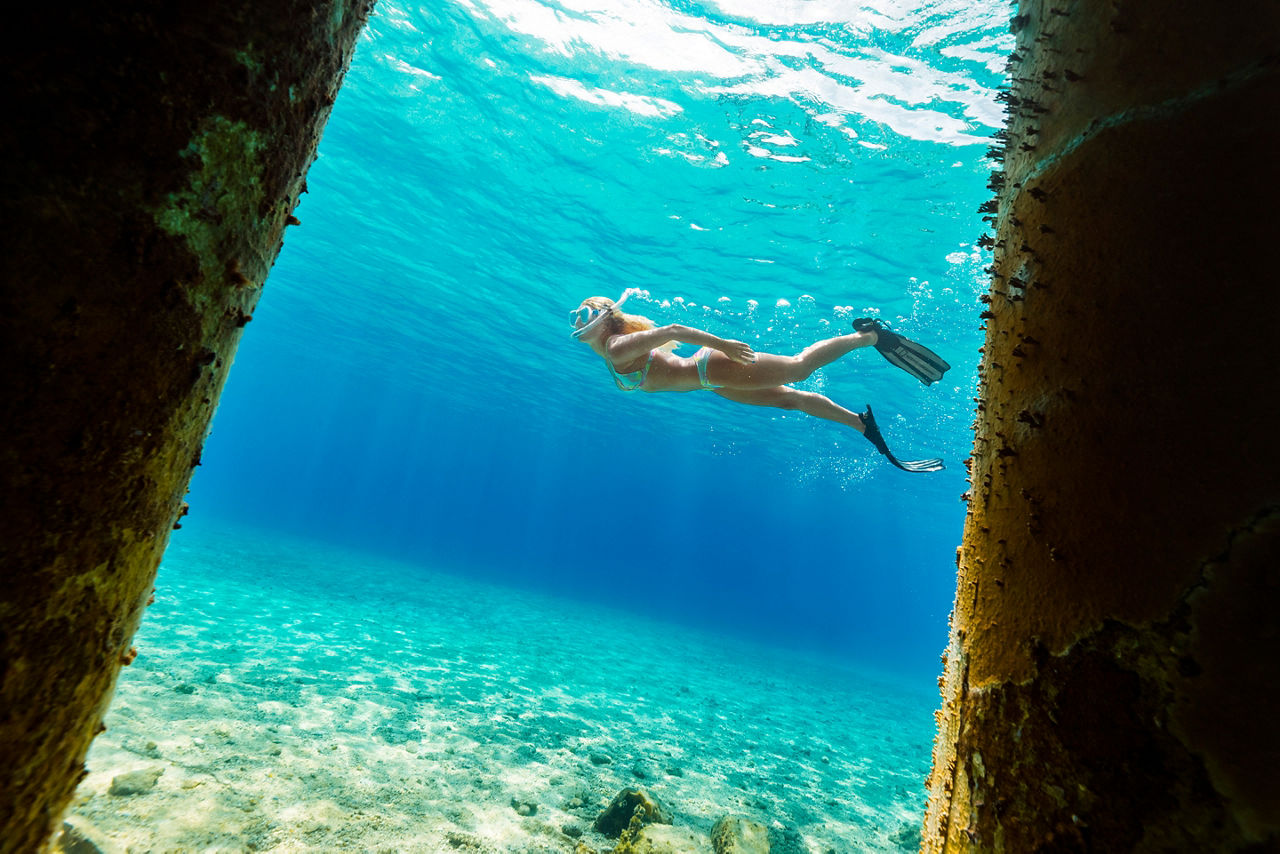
x=619, y=322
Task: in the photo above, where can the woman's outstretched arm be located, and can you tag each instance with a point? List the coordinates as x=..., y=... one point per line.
x=629, y=347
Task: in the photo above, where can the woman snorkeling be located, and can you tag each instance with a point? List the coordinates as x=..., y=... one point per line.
x=639, y=355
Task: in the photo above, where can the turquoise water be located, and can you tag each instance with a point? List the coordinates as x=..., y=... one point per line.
x=423, y=509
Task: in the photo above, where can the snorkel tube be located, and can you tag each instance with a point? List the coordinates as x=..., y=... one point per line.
x=596, y=315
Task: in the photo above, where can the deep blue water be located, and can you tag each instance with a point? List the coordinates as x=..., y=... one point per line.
x=765, y=170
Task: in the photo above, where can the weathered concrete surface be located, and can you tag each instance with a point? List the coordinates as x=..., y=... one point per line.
x=152, y=154
x=1111, y=680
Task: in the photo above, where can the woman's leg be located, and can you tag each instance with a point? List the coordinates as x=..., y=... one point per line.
x=770, y=371
x=784, y=397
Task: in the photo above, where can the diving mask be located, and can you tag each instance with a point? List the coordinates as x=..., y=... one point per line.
x=584, y=318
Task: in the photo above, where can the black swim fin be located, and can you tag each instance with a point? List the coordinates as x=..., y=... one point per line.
x=874, y=437
x=916, y=359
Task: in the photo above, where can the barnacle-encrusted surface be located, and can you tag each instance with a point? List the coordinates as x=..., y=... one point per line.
x=1111, y=672
x=153, y=154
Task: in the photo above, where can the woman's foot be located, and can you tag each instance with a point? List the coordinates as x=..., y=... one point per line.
x=873, y=326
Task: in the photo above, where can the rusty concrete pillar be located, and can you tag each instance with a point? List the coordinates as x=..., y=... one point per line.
x=152, y=156
x=1111, y=680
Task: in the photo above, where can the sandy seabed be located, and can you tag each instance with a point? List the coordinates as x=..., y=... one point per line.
x=291, y=697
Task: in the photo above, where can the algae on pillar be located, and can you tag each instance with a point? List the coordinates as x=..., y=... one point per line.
x=153, y=155
x=1111, y=678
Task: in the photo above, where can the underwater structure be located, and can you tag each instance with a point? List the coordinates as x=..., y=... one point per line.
x=153, y=154
x=1110, y=681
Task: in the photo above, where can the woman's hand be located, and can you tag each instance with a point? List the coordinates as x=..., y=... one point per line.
x=739, y=351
